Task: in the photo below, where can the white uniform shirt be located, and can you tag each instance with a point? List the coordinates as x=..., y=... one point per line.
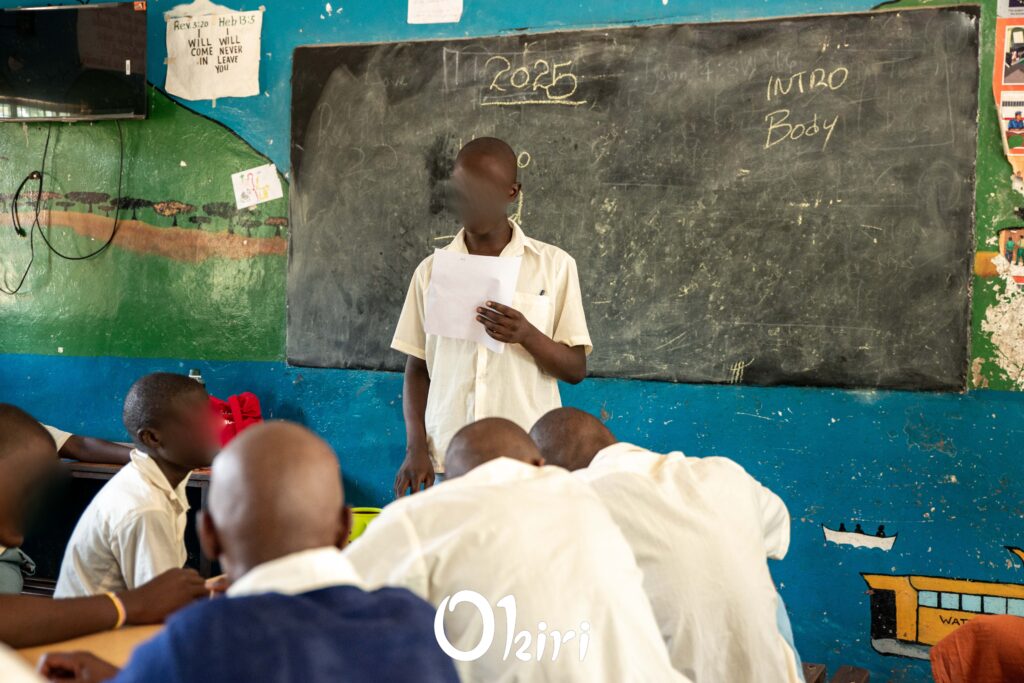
x=702, y=530
x=469, y=382
x=132, y=531
x=14, y=669
x=542, y=536
x=59, y=436
x=298, y=573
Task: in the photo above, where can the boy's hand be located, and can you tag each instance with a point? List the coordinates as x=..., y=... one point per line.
x=153, y=601
x=80, y=667
x=505, y=324
x=417, y=471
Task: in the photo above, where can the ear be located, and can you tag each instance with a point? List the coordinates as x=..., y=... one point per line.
x=514, y=192
x=539, y=461
x=209, y=539
x=149, y=438
x=344, y=527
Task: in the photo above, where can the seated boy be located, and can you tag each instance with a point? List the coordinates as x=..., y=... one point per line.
x=702, y=530
x=134, y=529
x=14, y=563
x=28, y=460
x=296, y=610
x=537, y=546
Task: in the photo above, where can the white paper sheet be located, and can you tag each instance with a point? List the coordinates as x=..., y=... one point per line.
x=213, y=52
x=435, y=11
x=459, y=284
x=1010, y=8
x=257, y=185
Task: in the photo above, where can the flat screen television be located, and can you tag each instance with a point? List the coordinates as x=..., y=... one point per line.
x=73, y=63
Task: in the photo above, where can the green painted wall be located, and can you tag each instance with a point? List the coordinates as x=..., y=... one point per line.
x=194, y=291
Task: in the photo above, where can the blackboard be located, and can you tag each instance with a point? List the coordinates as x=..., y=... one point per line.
x=773, y=202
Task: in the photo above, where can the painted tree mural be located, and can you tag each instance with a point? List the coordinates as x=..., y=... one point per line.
x=250, y=221
x=277, y=222
x=171, y=209
x=90, y=199
x=132, y=204
x=27, y=200
x=222, y=210
x=199, y=221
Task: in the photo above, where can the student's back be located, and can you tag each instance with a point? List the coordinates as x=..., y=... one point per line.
x=334, y=635
x=537, y=534
x=702, y=530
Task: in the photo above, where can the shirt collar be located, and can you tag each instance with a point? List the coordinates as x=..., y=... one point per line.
x=152, y=473
x=501, y=470
x=301, y=572
x=515, y=247
x=623, y=455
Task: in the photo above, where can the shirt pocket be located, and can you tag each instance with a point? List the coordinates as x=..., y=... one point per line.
x=538, y=310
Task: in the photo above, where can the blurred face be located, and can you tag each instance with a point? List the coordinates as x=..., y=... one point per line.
x=25, y=478
x=188, y=436
x=479, y=195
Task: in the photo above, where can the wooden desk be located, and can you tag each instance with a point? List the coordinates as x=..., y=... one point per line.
x=45, y=543
x=114, y=646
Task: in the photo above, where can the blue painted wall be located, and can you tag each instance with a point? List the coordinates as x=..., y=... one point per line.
x=942, y=470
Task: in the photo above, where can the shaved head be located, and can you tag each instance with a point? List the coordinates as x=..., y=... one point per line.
x=486, y=440
x=492, y=157
x=275, y=490
x=570, y=438
x=28, y=458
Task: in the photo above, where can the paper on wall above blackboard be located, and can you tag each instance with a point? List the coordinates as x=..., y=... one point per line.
x=212, y=51
x=435, y=11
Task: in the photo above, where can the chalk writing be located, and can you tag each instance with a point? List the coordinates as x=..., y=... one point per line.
x=780, y=130
x=543, y=82
x=807, y=82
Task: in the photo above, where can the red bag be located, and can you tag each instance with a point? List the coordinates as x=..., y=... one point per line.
x=239, y=412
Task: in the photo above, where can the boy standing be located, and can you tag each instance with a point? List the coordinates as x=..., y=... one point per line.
x=134, y=529
x=450, y=383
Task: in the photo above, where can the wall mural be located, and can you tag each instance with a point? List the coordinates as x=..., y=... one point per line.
x=912, y=612
x=194, y=262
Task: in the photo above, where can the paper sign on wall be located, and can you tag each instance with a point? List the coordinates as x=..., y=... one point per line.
x=435, y=11
x=213, y=54
x=257, y=185
x=1011, y=8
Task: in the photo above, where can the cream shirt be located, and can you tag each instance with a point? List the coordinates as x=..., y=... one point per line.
x=541, y=536
x=59, y=436
x=298, y=573
x=702, y=530
x=132, y=531
x=14, y=669
x=469, y=382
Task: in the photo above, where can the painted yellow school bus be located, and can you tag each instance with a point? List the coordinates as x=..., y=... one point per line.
x=911, y=613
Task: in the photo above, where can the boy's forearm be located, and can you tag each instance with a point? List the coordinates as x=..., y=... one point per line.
x=88, y=449
x=414, y=401
x=29, y=620
x=567, y=363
